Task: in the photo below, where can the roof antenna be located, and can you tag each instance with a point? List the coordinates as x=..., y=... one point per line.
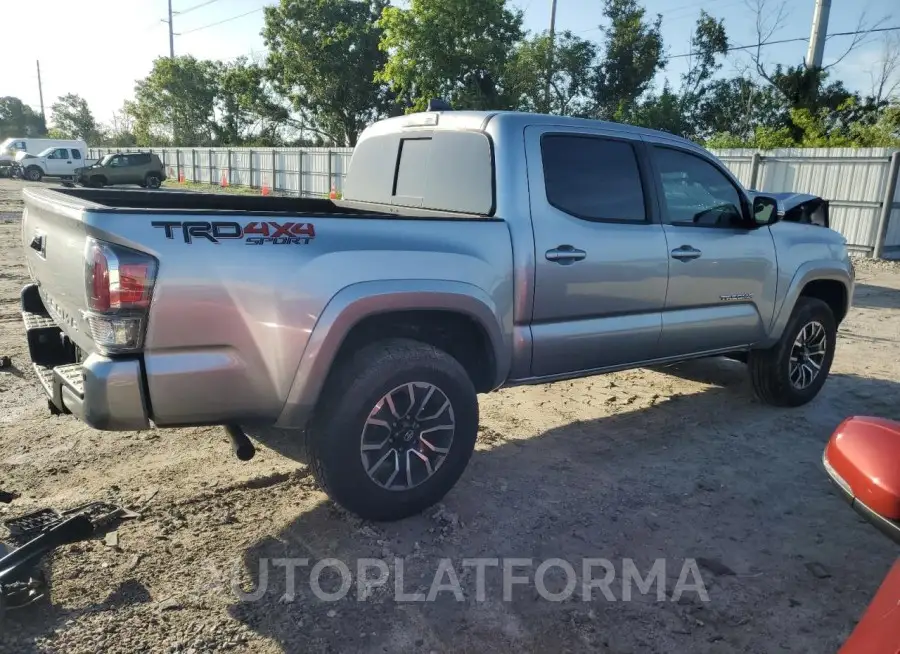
x=437, y=104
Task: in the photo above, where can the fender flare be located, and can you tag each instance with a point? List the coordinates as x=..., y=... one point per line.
x=808, y=272
x=356, y=302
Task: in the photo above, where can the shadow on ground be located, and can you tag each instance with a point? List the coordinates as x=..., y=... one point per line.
x=714, y=476
x=876, y=297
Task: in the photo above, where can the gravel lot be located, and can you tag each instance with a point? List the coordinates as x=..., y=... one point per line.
x=680, y=463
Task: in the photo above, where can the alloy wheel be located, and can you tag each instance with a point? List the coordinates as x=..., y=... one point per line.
x=407, y=436
x=808, y=355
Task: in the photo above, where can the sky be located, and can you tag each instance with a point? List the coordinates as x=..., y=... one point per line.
x=127, y=35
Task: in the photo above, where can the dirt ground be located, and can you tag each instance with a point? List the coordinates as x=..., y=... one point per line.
x=680, y=463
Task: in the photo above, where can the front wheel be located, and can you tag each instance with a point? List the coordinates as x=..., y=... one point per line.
x=792, y=372
x=34, y=174
x=394, y=430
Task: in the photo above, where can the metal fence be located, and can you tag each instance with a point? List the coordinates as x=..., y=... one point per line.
x=306, y=172
x=861, y=184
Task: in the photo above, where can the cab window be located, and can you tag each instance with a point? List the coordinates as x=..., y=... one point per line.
x=697, y=193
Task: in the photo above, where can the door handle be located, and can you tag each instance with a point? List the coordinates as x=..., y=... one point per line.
x=565, y=254
x=686, y=253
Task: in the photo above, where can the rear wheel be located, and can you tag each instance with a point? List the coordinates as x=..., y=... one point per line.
x=394, y=430
x=792, y=372
x=33, y=174
x=153, y=180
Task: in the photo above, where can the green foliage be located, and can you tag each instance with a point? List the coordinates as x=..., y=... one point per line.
x=632, y=55
x=176, y=102
x=72, y=119
x=452, y=49
x=335, y=66
x=528, y=70
x=324, y=57
x=18, y=119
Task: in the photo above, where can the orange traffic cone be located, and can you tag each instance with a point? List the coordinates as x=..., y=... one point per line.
x=333, y=194
x=265, y=188
x=181, y=177
x=224, y=182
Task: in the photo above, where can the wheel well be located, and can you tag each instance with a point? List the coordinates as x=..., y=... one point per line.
x=456, y=334
x=832, y=293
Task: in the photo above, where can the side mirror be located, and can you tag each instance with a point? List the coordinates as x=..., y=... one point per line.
x=863, y=460
x=765, y=210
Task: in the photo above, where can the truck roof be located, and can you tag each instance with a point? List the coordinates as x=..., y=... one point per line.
x=478, y=120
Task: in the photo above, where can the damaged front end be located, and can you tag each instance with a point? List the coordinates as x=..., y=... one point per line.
x=799, y=207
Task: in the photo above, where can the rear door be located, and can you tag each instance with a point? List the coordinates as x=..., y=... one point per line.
x=601, y=262
x=723, y=269
x=77, y=158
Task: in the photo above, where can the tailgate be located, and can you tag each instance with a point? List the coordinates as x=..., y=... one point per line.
x=54, y=237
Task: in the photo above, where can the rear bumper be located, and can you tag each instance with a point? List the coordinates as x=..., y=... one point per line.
x=105, y=393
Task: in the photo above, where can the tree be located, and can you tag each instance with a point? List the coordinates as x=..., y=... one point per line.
x=176, y=102
x=323, y=56
x=525, y=80
x=632, y=55
x=676, y=112
x=886, y=74
x=457, y=50
x=248, y=111
x=72, y=118
x=18, y=119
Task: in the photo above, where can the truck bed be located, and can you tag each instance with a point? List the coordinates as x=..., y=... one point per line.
x=140, y=201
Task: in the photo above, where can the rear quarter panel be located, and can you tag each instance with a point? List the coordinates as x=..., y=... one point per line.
x=229, y=322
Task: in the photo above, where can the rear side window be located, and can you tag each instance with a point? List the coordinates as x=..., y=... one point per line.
x=593, y=178
x=138, y=159
x=76, y=154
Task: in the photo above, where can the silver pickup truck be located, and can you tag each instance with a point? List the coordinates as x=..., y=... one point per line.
x=471, y=251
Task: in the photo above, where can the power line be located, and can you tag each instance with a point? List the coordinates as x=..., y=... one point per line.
x=803, y=38
x=190, y=9
x=227, y=20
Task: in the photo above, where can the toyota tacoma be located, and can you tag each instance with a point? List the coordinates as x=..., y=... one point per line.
x=471, y=251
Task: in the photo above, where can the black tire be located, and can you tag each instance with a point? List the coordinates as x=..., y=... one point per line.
x=770, y=370
x=98, y=181
x=34, y=174
x=153, y=180
x=335, y=436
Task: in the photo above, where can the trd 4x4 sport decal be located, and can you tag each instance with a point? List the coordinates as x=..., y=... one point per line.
x=255, y=233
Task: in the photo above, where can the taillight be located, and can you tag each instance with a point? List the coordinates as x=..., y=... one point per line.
x=119, y=285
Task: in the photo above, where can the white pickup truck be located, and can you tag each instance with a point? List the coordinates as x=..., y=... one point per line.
x=55, y=161
x=471, y=251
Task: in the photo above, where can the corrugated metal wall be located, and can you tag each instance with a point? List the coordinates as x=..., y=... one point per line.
x=309, y=172
x=852, y=179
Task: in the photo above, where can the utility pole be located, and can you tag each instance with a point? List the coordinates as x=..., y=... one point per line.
x=41, y=95
x=550, y=53
x=171, y=34
x=817, y=36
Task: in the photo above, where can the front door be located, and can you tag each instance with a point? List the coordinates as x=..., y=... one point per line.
x=601, y=262
x=723, y=270
x=59, y=163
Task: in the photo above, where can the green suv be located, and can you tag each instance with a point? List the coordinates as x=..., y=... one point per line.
x=142, y=168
